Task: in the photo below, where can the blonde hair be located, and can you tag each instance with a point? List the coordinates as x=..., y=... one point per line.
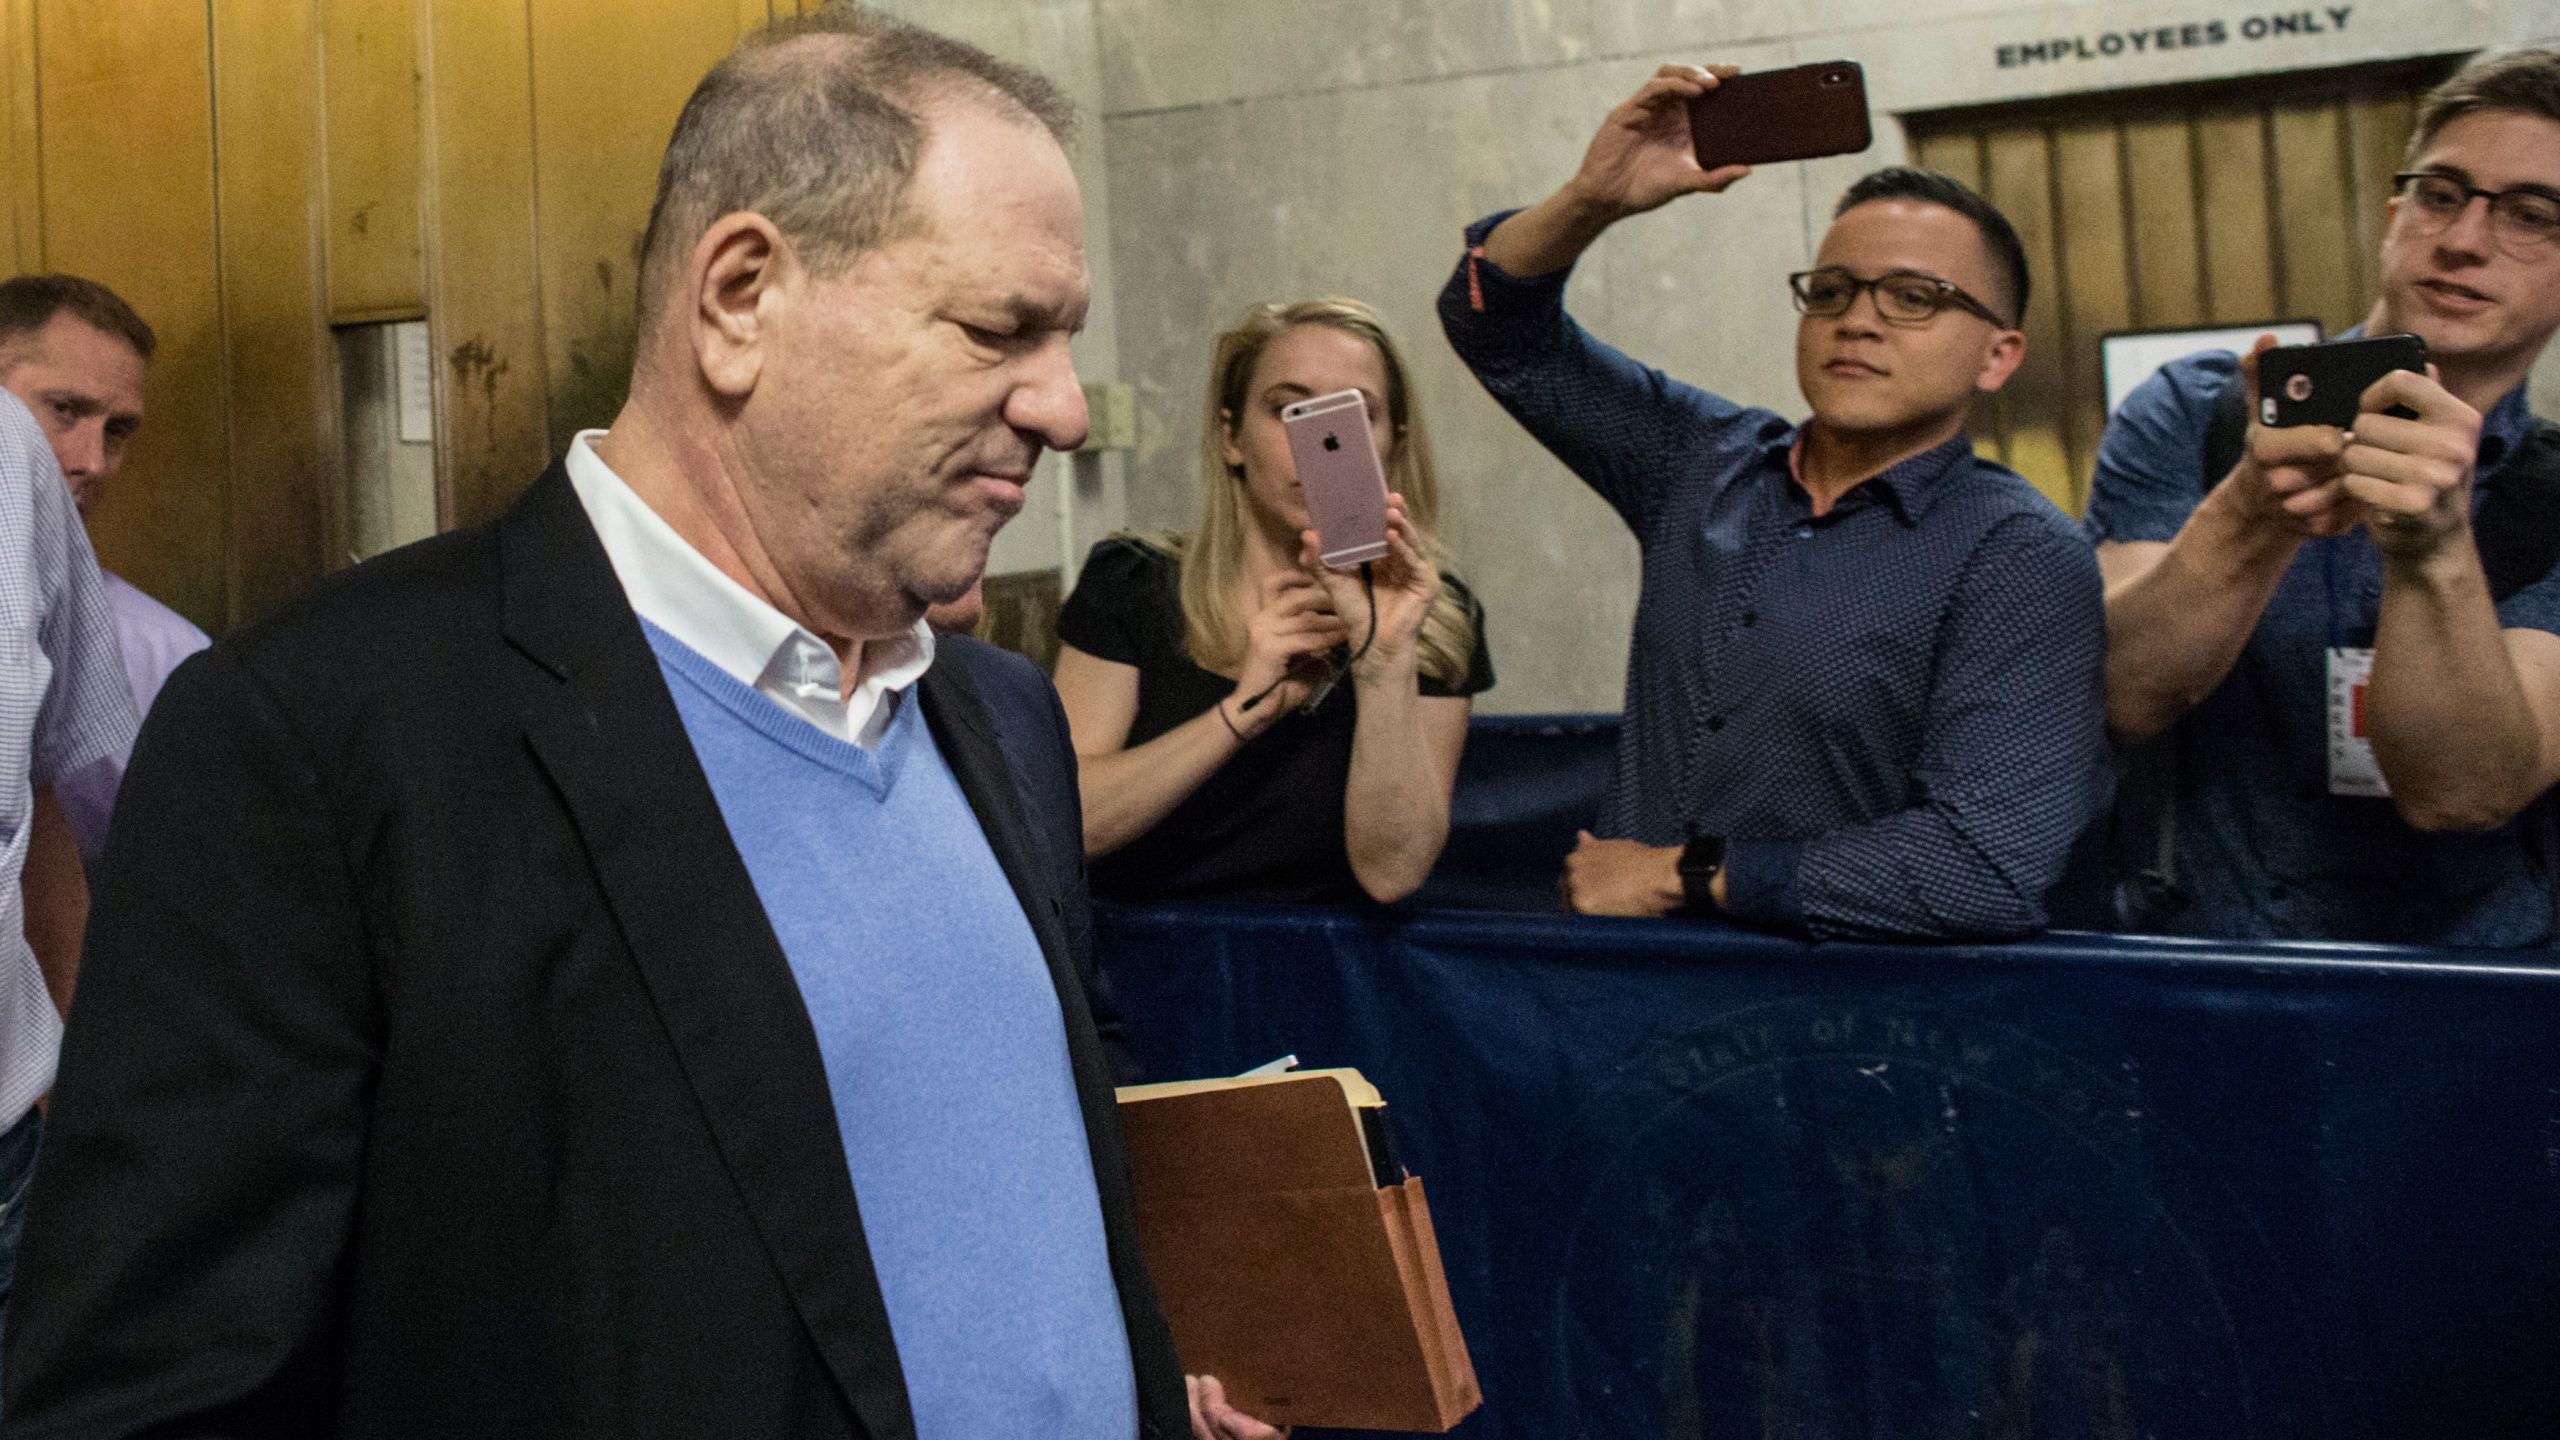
x=1211, y=557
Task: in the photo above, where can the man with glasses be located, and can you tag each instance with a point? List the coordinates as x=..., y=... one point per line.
x=1864, y=692
x=2355, y=635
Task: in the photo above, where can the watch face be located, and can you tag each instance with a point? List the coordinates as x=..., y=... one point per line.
x=1703, y=855
x=1700, y=859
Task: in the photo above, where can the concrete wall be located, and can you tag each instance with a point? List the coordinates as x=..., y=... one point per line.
x=1338, y=146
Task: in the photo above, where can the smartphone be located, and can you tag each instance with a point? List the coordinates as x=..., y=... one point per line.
x=1798, y=114
x=1339, y=473
x=2325, y=384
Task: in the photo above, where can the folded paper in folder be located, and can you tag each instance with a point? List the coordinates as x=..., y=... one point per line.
x=1294, y=1257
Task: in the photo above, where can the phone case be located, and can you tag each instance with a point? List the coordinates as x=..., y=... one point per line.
x=1798, y=114
x=2325, y=384
x=1339, y=473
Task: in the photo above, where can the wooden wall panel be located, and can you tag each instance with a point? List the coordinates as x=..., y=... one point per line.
x=2315, y=239
x=2019, y=168
x=376, y=267
x=606, y=94
x=127, y=156
x=2239, y=270
x=21, y=188
x=2378, y=130
x=247, y=175
x=279, y=381
x=2091, y=285
x=2168, y=246
x=2173, y=211
x=484, y=299
x=1958, y=155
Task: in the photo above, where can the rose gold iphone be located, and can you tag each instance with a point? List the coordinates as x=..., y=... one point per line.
x=1338, y=471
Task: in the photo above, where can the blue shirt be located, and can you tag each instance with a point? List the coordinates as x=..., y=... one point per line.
x=946, y=1055
x=1894, y=712
x=2262, y=848
x=63, y=710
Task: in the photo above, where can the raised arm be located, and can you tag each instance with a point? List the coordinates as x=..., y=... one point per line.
x=1405, y=745
x=2464, y=714
x=1625, y=429
x=2180, y=611
x=1640, y=160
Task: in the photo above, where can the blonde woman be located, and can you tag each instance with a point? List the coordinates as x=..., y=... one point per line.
x=1242, y=730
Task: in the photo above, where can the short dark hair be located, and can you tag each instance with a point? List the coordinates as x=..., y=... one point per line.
x=812, y=123
x=1903, y=182
x=28, y=303
x=2522, y=80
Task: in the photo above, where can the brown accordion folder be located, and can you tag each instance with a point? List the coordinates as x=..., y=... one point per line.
x=1294, y=1257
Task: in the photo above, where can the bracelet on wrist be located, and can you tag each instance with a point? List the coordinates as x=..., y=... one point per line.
x=1221, y=708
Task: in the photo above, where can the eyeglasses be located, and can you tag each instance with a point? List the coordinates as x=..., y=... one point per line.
x=1905, y=297
x=2524, y=221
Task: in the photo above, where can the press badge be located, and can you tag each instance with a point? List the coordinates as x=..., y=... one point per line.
x=2352, y=770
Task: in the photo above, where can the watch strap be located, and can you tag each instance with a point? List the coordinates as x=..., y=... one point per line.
x=1701, y=860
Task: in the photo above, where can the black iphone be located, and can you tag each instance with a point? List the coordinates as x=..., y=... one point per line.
x=2324, y=384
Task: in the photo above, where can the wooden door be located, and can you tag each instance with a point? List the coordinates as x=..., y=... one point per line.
x=2218, y=204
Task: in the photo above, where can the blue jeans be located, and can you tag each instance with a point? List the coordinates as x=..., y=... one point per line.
x=17, y=1173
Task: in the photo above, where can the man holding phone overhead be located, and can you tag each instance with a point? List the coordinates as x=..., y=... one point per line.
x=1863, y=696
x=2353, y=631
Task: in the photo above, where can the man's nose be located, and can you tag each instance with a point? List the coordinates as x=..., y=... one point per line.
x=1852, y=322
x=2468, y=231
x=82, y=449
x=1049, y=402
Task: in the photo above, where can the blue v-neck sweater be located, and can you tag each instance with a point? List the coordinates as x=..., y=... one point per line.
x=945, y=1054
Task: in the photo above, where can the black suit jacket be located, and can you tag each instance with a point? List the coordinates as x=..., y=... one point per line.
x=435, y=1070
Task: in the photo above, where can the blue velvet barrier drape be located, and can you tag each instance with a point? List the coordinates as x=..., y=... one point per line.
x=1695, y=1182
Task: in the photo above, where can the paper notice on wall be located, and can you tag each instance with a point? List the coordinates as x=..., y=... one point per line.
x=415, y=365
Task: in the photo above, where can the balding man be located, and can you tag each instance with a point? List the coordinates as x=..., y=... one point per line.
x=616, y=971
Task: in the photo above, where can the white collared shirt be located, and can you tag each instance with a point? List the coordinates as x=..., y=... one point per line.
x=674, y=588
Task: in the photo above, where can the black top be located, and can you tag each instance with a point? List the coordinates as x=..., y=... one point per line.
x=1267, y=825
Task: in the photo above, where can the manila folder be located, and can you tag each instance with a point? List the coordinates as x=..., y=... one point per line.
x=1286, y=1269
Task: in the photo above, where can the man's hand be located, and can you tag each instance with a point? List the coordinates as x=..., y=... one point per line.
x=1642, y=158
x=2413, y=476
x=1212, y=1418
x=2292, y=478
x=1622, y=877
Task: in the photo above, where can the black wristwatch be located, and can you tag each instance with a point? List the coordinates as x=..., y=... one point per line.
x=1701, y=860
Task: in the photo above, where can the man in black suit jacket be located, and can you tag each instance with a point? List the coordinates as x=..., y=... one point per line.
x=438, y=1068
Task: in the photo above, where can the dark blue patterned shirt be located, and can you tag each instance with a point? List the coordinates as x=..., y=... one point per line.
x=1894, y=713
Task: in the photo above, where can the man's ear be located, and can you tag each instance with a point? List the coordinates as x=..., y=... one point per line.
x=2000, y=360
x=740, y=268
